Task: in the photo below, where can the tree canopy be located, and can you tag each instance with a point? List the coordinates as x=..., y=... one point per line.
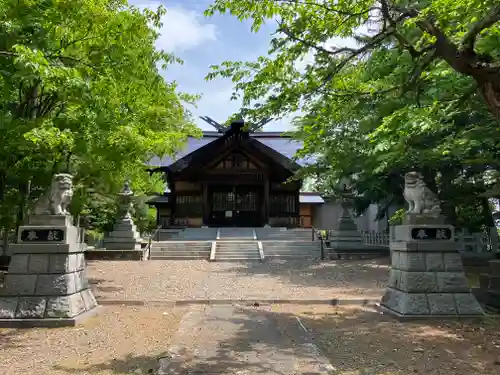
x=382, y=87
x=81, y=91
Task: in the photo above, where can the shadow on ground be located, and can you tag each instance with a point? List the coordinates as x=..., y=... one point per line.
x=9, y=339
x=356, y=342
x=356, y=273
x=104, y=286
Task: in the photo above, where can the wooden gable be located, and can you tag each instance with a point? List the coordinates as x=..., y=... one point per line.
x=235, y=160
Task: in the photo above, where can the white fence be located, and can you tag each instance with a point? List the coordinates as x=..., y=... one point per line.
x=467, y=242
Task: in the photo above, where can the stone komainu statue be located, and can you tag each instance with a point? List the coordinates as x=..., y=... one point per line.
x=58, y=198
x=420, y=198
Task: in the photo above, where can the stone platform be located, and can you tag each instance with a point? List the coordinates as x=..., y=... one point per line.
x=46, y=284
x=346, y=236
x=124, y=236
x=427, y=278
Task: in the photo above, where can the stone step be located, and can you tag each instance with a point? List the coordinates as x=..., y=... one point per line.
x=177, y=257
x=173, y=252
x=179, y=247
x=238, y=260
x=290, y=248
x=236, y=248
x=248, y=251
x=292, y=256
x=236, y=253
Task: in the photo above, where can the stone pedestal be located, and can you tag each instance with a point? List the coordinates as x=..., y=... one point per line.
x=427, y=278
x=124, y=236
x=46, y=285
x=346, y=237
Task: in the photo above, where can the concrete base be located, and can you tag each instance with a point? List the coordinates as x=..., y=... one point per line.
x=46, y=283
x=346, y=237
x=51, y=322
x=427, y=277
x=123, y=237
x=405, y=317
x=98, y=254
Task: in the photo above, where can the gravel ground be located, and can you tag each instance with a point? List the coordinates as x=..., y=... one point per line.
x=120, y=340
x=160, y=280
x=361, y=341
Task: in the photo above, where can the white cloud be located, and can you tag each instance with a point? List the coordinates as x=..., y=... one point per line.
x=181, y=29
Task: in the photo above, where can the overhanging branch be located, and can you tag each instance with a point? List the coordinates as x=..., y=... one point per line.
x=469, y=40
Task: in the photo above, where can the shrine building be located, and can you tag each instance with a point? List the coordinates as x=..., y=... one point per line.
x=234, y=176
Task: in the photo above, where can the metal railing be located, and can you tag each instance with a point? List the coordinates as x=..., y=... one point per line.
x=156, y=235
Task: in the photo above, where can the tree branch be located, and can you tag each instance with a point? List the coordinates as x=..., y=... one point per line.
x=469, y=40
x=324, y=6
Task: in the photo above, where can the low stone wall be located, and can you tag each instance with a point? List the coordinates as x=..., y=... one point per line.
x=101, y=254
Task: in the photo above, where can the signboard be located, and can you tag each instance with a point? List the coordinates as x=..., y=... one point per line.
x=42, y=235
x=431, y=233
x=229, y=214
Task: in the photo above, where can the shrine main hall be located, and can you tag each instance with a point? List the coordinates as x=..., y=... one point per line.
x=234, y=176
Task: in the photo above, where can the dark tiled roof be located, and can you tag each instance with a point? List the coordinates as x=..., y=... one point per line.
x=284, y=145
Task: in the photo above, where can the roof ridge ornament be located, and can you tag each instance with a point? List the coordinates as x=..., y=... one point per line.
x=223, y=128
x=220, y=128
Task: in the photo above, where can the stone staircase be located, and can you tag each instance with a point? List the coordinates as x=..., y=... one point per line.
x=236, y=234
x=188, y=234
x=288, y=243
x=235, y=244
x=177, y=250
x=279, y=234
x=237, y=251
x=291, y=249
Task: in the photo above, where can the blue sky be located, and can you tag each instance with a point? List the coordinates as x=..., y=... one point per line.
x=201, y=42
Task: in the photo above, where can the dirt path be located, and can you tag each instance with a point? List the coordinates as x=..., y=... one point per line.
x=121, y=340
x=361, y=341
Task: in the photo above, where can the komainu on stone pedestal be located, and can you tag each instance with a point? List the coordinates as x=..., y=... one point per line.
x=427, y=278
x=56, y=201
x=421, y=200
x=46, y=284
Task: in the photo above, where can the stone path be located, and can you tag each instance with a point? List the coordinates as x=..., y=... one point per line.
x=241, y=340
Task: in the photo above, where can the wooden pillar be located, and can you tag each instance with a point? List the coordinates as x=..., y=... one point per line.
x=265, y=211
x=157, y=215
x=297, y=207
x=173, y=203
x=206, y=208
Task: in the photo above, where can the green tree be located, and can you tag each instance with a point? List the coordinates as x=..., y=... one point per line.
x=81, y=91
x=383, y=87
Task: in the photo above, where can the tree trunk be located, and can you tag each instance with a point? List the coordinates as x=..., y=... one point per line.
x=491, y=93
x=487, y=214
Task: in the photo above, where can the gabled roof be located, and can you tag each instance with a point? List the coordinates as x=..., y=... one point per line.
x=276, y=141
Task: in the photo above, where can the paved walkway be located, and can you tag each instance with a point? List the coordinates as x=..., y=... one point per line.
x=241, y=340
